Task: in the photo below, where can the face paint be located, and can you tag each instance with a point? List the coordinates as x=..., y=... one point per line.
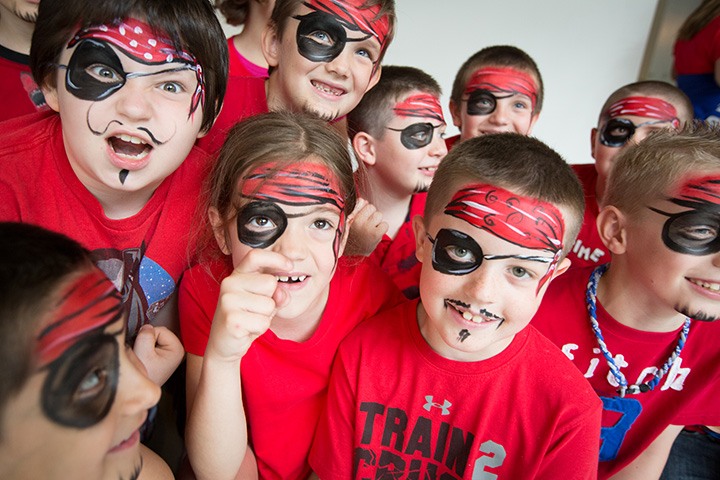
x=523, y=221
x=695, y=231
x=80, y=356
x=487, y=85
x=303, y=184
x=463, y=335
x=618, y=131
x=94, y=71
x=333, y=18
x=423, y=105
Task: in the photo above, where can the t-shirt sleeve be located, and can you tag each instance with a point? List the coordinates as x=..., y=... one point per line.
x=331, y=455
x=194, y=299
x=9, y=207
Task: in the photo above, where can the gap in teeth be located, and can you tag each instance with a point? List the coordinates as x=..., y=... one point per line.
x=715, y=287
x=291, y=279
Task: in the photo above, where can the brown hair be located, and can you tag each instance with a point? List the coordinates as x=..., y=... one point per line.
x=498, y=56
x=645, y=171
x=374, y=111
x=517, y=163
x=698, y=19
x=282, y=138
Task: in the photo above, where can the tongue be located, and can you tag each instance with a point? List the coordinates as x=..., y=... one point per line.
x=127, y=148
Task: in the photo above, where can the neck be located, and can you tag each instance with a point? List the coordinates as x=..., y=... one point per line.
x=248, y=41
x=630, y=305
x=15, y=33
x=394, y=208
x=599, y=190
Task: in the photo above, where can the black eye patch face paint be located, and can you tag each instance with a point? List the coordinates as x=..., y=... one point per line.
x=618, y=131
x=693, y=232
x=455, y=253
x=94, y=71
x=417, y=135
x=81, y=385
x=321, y=38
x=481, y=102
x=260, y=224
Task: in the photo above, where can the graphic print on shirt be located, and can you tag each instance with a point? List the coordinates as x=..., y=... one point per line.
x=145, y=286
x=395, y=445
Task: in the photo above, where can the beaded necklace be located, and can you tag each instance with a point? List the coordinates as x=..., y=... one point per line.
x=590, y=299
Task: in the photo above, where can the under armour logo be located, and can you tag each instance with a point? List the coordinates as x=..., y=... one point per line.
x=445, y=406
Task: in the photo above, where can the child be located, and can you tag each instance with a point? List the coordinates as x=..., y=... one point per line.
x=498, y=89
x=115, y=167
x=323, y=55
x=457, y=385
x=246, y=56
x=20, y=92
x=72, y=395
x=630, y=113
x=397, y=133
x=640, y=330
x=280, y=195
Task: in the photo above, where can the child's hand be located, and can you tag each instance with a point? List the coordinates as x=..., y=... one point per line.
x=159, y=350
x=366, y=229
x=248, y=301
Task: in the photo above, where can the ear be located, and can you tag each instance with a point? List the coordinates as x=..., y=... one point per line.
x=364, y=146
x=593, y=137
x=611, y=224
x=218, y=227
x=51, y=97
x=533, y=119
x=562, y=267
x=455, y=114
x=271, y=45
x=420, y=236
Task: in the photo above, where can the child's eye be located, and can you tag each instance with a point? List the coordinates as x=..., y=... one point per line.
x=699, y=233
x=619, y=131
x=520, y=272
x=259, y=222
x=172, y=87
x=103, y=73
x=460, y=254
x=322, y=37
x=92, y=384
x=322, y=224
x=521, y=105
x=421, y=137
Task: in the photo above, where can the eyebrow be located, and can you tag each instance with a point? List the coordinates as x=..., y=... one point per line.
x=325, y=208
x=531, y=258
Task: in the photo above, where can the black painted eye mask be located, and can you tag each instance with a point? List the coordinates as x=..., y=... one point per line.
x=455, y=253
x=481, y=102
x=260, y=224
x=693, y=232
x=417, y=135
x=94, y=71
x=316, y=23
x=618, y=131
x=81, y=385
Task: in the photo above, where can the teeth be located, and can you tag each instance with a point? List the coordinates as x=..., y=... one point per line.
x=715, y=287
x=473, y=318
x=287, y=279
x=326, y=89
x=127, y=138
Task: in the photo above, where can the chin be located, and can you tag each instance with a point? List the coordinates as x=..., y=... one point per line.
x=698, y=314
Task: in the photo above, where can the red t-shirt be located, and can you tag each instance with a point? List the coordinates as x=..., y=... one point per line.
x=239, y=66
x=21, y=95
x=688, y=394
x=285, y=382
x=397, y=409
x=589, y=249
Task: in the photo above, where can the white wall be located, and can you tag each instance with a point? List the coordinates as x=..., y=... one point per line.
x=585, y=50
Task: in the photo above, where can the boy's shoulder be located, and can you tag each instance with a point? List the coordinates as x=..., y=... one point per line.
x=28, y=131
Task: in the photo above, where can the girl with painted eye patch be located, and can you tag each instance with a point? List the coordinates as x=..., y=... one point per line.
x=262, y=320
x=72, y=394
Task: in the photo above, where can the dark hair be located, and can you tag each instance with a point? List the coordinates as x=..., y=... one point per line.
x=234, y=11
x=36, y=265
x=498, y=56
x=190, y=24
x=282, y=138
x=284, y=10
x=514, y=162
x=698, y=19
x=374, y=111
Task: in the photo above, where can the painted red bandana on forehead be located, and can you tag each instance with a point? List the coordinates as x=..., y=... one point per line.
x=503, y=80
x=523, y=221
x=704, y=190
x=354, y=18
x=90, y=304
x=421, y=105
x=137, y=40
x=648, y=107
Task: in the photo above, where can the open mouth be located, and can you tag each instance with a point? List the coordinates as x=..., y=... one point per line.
x=292, y=279
x=327, y=89
x=128, y=442
x=713, y=287
x=483, y=316
x=129, y=147
x=428, y=170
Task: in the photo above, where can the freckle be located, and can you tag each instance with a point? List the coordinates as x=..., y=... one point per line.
x=463, y=335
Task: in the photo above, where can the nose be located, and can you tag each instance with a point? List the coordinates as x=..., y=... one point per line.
x=438, y=148
x=499, y=116
x=292, y=243
x=481, y=284
x=340, y=65
x=136, y=392
x=132, y=100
